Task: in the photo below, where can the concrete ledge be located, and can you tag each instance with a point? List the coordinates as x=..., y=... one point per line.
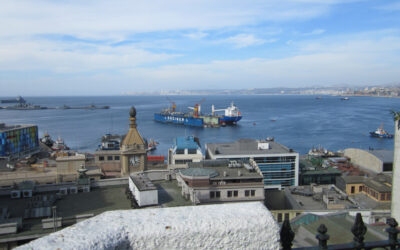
x=8, y=228
x=226, y=226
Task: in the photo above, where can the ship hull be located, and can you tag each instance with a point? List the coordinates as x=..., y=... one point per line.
x=229, y=119
x=179, y=119
x=388, y=136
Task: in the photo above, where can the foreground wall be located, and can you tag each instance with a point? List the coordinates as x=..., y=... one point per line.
x=225, y=226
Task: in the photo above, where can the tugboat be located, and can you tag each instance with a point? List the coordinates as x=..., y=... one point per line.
x=46, y=139
x=381, y=133
x=59, y=145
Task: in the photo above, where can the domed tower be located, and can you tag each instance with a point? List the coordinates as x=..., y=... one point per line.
x=396, y=170
x=133, y=150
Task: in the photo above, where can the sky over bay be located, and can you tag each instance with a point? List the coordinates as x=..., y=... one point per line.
x=97, y=47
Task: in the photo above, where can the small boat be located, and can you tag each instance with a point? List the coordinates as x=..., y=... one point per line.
x=344, y=98
x=318, y=97
x=152, y=145
x=46, y=139
x=381, y=133
x=59, y=145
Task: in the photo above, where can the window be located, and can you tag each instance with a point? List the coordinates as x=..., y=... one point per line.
x=116, y=157
x=183, y=161
x=215, y=194
x=286, y=216
x=279, y=217
x=360, y=188
x=101, y=158
x=235, y=193
x=253, y=193
x=229, y=193
x=109, y=158
x=192, y=151
x=246, y=193
x=180, y=151
x=352, y=189
x=382, y=197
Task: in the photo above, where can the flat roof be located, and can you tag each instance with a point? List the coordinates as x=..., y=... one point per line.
x=386, y=156
x=142, y=182
x=247, y=147
x=221, y=169
x=5, y=128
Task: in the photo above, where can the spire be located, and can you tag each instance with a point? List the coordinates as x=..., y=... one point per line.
x=133, y=137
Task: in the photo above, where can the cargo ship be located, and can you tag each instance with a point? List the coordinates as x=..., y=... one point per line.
x=196, y=119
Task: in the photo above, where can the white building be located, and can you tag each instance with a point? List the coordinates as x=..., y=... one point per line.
x=278, y=164
x=185, y=150
x=143, y=190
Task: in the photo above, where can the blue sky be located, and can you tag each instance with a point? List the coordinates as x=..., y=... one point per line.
x=98, y=47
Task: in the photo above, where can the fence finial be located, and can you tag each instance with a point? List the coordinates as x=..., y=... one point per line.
x=359, y=230
x=322, y=237
x=392, y=231
x=287, y=235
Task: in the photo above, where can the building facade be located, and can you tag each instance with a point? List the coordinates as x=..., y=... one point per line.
x=278, y=164
x=185, y=150
x=18, y=140
x=213, y=181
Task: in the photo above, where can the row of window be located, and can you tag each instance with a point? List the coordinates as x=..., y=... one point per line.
x=276, y=167
x=373, y=193
x=232, y=193
x=182, y=151
x=183, y=161
x=109, y=158
x=275, y=159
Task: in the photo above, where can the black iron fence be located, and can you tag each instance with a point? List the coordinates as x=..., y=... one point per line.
x=359, y=230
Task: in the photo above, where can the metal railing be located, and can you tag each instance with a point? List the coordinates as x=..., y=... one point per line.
x=359, y=230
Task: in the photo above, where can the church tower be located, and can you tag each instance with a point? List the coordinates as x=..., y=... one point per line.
x=396, y=170
x=133, y=149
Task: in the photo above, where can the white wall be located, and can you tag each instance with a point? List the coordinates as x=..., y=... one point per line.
x=224, y=226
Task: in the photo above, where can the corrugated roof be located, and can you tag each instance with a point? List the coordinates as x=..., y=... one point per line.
x=187, y=142
x=386, y=156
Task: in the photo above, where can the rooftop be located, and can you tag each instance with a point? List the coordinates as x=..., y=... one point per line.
x=221, y=169
x=187, y=142
x=142, y=182
x=386, y=156
x=5, y=128
x=248, y=147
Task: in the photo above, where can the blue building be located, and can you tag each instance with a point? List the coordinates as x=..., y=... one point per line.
x=18, y=140
x=186, y=149
x=278, y=164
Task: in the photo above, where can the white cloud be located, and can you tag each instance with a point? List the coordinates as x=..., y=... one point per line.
x=196, y=35
x=113, y=19
x=243, y=40
x=314, y=32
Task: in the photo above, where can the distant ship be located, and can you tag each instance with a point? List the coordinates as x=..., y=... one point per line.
x=19, y=99
x=196, y=119
x=381, y=133
x=344, y=98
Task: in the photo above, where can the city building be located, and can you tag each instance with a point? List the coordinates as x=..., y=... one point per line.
x=378, y=188
x=143, y=190
x=68, y=168
x=18, y=141
x=278, y=164
x=212, y=181
x=186, y=149
x=376, y=161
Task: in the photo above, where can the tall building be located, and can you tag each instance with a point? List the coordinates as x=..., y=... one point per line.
x=278, y=164
x=18, y=140
x=133, y=148
x=396, y=174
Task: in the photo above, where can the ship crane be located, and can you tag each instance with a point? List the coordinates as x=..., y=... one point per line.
x=197, y=108
x=213, y=110
x=173, y=104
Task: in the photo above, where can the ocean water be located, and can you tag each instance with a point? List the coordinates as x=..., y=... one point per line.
x=297, y=121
